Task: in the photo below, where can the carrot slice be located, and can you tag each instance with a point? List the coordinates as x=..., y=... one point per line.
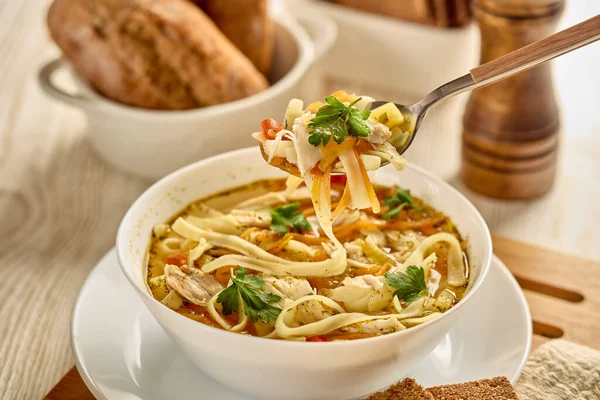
x=279, y=245
x=316, y=339
x=178, y=259
x=342, y=230
x=314, y=106
x=222, y=274
x=309, y=240
x=316, y=188
x=342, y=204
x=320, y=255
x=376, y=270
x=270, y=127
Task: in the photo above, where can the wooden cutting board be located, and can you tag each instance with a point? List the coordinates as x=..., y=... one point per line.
x=563, y=293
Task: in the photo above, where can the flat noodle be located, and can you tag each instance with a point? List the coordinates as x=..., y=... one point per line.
x=342, y=205
x=326, y=325
x=291, y=184
x=278, y=138
x=337, y=321
x=355, y=181
x=456, y=269
x=369, y=186
x=242, y=318
x=322, y=204
x=333, y=266
x=326, y=183
x=253, y=257
x=169, y=246
x=420, y=320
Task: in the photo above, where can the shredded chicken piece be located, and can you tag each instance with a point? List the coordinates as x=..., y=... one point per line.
x=364, y=281
x=192, y=284
x=292, y=288
x=312, y=311
x=403, y=243
x=308, y=155
x=379, y=132
x=294, y=246
x=354, y=250
x=257, y=219
x=387, y=325
x=269, y=199
x=347, y=217
x=374, y=236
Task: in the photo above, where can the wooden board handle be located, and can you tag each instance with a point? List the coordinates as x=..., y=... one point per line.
x=538, y=52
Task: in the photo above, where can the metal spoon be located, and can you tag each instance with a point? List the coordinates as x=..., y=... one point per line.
x=512, y=63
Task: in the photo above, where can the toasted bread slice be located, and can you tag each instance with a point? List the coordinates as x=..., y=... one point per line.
x=498, y=388
x=408, y=389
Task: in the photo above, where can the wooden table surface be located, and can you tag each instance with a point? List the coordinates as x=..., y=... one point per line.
x=60, y=204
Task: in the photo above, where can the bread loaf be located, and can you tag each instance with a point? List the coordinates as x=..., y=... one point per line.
x=247, y=24
x=159, y=54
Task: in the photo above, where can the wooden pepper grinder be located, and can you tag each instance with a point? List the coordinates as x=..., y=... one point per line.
x=510, y=135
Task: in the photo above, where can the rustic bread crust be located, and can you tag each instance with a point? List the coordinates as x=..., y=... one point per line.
x=160, y=54
x=248, y=25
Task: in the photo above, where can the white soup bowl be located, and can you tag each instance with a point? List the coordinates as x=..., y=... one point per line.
x=276, y=369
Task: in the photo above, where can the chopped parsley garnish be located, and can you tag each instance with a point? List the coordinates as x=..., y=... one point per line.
x=249, y=289
x=409, y=286
x=288, y=217
x=397, y=202
x=337, y=121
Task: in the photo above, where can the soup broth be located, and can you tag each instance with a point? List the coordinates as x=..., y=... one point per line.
x=404, y=266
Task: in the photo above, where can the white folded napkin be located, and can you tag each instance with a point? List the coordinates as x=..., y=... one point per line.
x=561, y=370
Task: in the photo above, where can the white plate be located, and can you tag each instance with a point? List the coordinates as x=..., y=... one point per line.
x=122, y=353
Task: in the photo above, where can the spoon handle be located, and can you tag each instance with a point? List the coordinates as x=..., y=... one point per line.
x=538, y=52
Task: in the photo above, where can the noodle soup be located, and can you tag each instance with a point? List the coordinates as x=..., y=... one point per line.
x=255, y=260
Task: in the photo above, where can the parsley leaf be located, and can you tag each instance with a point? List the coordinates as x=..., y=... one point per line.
x=287, y=217
x=409, y=286
x=257, y=305
x=397, y=202
x=394, y=212
x=229, y=300
x=356, y=122
x=336, y=120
